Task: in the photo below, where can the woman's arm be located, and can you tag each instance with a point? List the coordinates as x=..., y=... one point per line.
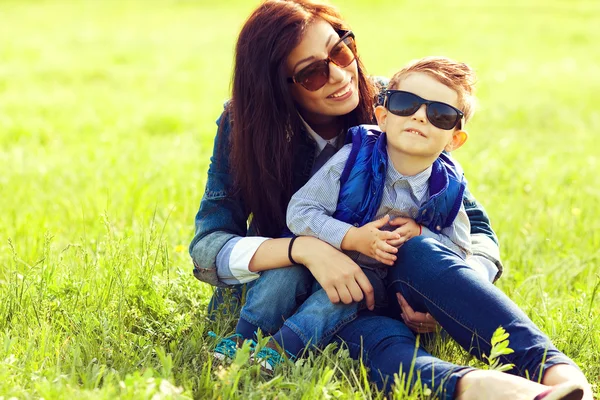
x=310, y=210
x=222, y=218
x=484, y=242
x=340, y=277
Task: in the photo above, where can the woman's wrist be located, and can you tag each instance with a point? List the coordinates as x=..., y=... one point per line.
x=297, y=250
x=290, y=248
x=302, y=248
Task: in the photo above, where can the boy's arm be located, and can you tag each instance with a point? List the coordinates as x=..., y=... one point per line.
x=311, y=208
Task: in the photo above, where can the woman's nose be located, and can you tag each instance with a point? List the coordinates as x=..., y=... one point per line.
x=336, y=73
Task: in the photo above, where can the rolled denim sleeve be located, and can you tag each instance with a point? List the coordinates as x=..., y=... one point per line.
x=221, y=216
x=311, y=208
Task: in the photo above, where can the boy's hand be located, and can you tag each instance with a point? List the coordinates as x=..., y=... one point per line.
x=407, y=228
x=371, y=241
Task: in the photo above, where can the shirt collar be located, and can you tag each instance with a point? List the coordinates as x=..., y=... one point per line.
x=321, y=143
x=418, y=183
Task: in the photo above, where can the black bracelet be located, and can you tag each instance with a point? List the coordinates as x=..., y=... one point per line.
x=290, y=250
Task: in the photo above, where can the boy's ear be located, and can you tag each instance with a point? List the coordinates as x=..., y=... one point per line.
x=459, y=137
x=381, y=115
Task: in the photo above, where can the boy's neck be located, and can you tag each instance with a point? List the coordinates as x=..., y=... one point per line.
x=407, y=164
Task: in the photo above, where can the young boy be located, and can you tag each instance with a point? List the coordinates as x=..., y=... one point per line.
x=389, y=185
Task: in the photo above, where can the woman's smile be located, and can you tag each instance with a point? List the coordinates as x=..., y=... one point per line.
x=344, y=93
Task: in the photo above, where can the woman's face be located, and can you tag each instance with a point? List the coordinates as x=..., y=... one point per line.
x=339, y=96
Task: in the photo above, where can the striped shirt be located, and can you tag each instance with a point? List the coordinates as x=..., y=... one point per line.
x=311, y=208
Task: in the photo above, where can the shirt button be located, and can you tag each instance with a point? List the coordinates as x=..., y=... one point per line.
x=355, y=224
x=438, y=228
x=424, y=212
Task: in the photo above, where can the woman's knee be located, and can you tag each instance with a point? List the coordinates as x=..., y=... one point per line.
x=291, y=282
x=295, y=275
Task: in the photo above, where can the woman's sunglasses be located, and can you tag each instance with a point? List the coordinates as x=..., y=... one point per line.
x=314, y=76
x=405, y=104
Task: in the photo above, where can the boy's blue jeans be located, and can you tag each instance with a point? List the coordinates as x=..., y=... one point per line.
x=432, y=278
x=291, y=299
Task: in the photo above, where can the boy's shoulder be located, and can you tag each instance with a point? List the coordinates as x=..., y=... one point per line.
x=357, y=134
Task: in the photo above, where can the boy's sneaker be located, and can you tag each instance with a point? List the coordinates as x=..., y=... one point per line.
x=226, y=347
x=269, y=358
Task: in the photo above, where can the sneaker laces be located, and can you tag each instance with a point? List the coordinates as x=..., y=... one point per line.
x=270, y=358
x=226, y=348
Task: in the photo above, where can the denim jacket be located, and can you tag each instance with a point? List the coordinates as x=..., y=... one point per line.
x=222, y=214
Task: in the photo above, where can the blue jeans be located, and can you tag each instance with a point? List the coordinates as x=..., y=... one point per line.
x=290, y=300
x=432, y=278
x=387, y=346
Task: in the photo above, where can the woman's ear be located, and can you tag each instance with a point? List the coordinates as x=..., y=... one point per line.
x=459, y=137
x=381, y=115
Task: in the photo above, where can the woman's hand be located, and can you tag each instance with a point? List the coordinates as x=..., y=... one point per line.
x=340, y=277
x=417, y=321
x=371, y=241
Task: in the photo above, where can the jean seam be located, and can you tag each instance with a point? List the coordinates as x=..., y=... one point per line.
x=297, y=331
x=449, y=381
x=545, y=366
x=340, y=324
x=454, y=319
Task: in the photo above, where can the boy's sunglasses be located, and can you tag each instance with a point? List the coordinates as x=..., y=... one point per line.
x=314, y=76
x=405, y=104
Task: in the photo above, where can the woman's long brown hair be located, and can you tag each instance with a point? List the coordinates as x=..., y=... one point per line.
x=265, y=123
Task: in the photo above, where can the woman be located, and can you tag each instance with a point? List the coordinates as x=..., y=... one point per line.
x=292, y=96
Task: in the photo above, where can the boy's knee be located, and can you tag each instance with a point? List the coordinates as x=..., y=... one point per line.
x=418, y=247
x=419, y=259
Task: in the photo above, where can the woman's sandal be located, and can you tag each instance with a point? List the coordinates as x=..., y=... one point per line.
x=564, y=391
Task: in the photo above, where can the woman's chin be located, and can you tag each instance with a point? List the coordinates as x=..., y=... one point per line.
x=344, y=107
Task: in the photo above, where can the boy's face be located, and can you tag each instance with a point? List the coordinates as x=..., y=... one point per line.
x=414, y=135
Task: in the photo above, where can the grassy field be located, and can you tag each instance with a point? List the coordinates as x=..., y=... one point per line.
x=107, y=113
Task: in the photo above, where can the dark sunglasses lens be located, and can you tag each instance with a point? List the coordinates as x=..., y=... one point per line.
x=442, y=116
x=343, y=53
x=314, y=76
x=403, y=104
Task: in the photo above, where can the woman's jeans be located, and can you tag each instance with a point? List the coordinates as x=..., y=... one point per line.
x=434, y=279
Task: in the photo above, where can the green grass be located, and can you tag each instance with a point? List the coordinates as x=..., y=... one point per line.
x=107, y=113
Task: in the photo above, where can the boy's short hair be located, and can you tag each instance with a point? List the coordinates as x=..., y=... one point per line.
x=457, y=76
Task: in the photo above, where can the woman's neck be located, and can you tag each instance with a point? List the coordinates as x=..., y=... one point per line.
x=324, y=126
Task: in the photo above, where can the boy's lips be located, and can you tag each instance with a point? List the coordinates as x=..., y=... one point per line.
x=415, y=131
